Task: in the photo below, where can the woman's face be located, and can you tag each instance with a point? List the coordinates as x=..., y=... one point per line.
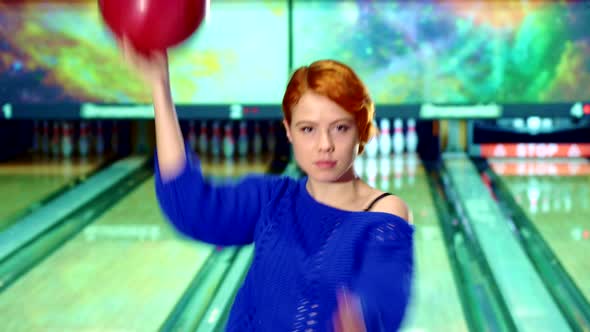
x=324, y=137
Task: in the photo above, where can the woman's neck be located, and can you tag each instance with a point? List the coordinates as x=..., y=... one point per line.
x=341, y=193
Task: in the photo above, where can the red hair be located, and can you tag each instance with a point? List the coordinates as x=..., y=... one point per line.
x=339, y=83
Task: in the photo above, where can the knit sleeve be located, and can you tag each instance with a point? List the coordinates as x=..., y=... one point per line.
x=385, y=279
x=224, y=213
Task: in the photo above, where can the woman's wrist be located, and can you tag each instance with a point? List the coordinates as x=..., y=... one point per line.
x=161, y=89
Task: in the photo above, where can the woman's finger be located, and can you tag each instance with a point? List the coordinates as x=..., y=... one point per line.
x=349, y=314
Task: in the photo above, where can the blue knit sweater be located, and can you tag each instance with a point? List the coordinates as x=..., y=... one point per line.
x=305, y=251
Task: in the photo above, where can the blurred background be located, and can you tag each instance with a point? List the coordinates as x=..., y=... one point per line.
x=483, y=109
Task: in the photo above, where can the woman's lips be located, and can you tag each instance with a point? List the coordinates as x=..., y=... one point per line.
x=325, y=164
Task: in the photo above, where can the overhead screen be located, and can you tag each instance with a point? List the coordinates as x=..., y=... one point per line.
x=453, y=51
x=60, y=51
x=407, y=51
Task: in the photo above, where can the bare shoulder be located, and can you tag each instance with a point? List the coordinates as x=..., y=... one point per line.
x=394, y=205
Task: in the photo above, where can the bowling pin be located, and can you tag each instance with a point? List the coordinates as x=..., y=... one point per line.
x=518, y=123
x=385, y=137
x=66, y=140
x=55, y=140
x=398, y=136
x=546, y=124
x=45, y=140
x=243, y=140
x=257, y=144
x=228, y=141
x=192, y=136
x=411, y=137
x=216, y=140
x=203, y=139
x=371, y=148
x=99, y=139
x=533, y=124
x=83, y=140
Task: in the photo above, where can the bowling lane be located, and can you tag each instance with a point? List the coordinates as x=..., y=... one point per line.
x=124, y=272
x=26, y=182
x=224, y=168
x=435, y=301
x=557, y=203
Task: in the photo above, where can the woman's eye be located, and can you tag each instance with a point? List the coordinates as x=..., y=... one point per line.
x=342, y=128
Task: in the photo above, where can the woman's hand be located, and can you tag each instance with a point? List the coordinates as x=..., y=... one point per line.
x=152, y=68
x=349, y=315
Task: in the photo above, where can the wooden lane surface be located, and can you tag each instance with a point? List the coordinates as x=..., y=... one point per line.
x=124, y=272
x=24, y=183
x=562, y=216
x=435, y=299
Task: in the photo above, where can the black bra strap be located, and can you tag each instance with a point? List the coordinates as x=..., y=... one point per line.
x=375, y=201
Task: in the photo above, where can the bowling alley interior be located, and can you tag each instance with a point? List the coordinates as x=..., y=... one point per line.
x=483, y=116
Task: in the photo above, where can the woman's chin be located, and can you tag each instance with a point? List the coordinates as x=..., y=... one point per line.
x=328, y=175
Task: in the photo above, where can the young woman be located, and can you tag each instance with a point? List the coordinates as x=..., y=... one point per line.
x=331, y=253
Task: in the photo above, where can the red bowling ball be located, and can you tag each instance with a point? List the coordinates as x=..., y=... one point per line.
x=153, y=25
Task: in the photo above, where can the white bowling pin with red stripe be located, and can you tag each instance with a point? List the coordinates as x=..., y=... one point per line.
x=385, y=137
x=257, y=144
x=66, y=140
x=203, y=139
x=398, y=136
x=84, y=140
x=216, y=140
x=243, y=140
x=55, y=140
x=372, y=147
x=411, y=137
x=228, y=141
